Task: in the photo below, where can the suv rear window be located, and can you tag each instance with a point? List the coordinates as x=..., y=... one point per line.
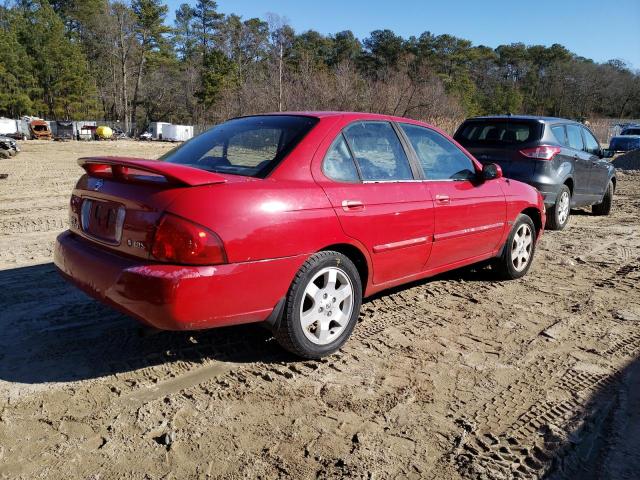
x=250, y=146
x=498, y=132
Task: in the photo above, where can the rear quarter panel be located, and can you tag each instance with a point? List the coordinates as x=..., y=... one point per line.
x=263, y=219
x=519, y=197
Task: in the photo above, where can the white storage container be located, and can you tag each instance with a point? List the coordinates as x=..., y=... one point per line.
x=177, y=133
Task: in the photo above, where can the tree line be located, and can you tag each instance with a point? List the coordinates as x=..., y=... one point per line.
x=128, y=61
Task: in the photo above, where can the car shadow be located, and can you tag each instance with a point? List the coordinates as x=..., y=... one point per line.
x=52, y=332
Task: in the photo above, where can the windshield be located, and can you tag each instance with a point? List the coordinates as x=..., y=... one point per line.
x=631, y=131
x=250, y=146
x=497, y=132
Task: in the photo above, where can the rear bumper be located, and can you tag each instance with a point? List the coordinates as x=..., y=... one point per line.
x=176, y=297
x=549, y=191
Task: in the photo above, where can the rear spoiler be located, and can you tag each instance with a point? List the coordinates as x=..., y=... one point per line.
x=147, y=171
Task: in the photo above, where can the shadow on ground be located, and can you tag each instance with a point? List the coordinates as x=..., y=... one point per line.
x=602, y=437
x=51, y=332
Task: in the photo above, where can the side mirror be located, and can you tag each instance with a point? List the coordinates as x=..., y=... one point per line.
x=491, y=171
x=606, y=153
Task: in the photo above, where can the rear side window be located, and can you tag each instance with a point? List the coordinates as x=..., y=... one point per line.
x=498, y=132
x=250, y=146
x=560, y=134
x=440, y=159
x=574, y=137
x=338, y=164
x=378, y=151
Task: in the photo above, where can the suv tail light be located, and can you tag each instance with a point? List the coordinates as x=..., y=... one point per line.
x=543, y=152
x=181, y=241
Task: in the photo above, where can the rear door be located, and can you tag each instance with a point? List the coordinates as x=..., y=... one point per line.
x=599, y=174
x=581, y=164
x=372, y=188
x=469, y=214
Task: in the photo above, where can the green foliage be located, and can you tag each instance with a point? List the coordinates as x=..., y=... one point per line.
x=77, y=58
x=216, y=73
x=17, y=83
x=64, y=87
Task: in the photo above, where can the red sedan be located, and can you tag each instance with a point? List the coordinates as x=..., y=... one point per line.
x=290, y=219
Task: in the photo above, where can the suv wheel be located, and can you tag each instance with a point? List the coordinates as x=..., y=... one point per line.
x=604, y=207
x=517, y=253
x=322, y=306
x=558, y=215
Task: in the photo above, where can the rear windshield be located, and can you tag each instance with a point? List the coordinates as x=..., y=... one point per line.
x=624, y=143
x=631, y=131
x=250, y=146
x=498, y=132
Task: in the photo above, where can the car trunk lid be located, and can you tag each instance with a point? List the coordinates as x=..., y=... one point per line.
x=120, y=201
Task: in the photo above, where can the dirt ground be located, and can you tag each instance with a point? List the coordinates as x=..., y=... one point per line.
x=456, y=377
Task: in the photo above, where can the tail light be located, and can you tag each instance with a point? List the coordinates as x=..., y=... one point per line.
x=180, y=241
x=75, y=203
x=543, y=152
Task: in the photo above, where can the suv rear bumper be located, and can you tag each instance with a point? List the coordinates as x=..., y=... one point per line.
x=176, y=297
x=549, y=191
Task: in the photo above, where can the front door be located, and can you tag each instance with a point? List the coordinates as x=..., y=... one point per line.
x=581, y=165
x=599, y=174
x=469, y=214
x=374, y=193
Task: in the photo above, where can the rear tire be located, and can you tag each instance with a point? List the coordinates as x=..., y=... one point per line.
x=604, y=207
x=517, y=254
x=558, y=215
x=322, y=306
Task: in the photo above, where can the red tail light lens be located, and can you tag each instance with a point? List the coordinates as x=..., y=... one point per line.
x=543, y=152
x=180, y=241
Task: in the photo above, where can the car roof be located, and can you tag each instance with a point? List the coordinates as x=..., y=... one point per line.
x=524, y=117
x=350, y=115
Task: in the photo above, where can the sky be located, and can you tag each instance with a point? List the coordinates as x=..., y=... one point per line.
x=594, y=29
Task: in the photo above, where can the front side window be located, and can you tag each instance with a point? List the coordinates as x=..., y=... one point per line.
x=338, y=164
x=378, y=151
x=591, y=145
x=574, y=137
x=440, y=159
x=250, y=146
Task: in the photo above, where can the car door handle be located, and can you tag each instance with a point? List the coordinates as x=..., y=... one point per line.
x=443, y=199
x=351, y=205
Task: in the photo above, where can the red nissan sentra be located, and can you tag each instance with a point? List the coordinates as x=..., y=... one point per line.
x=290, y=219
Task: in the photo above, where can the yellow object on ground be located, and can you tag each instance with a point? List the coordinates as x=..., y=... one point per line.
x=104, y=132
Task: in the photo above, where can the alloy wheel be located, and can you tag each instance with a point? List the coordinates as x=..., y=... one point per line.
x=327, y=305
x=521, y=247
x=563, y=208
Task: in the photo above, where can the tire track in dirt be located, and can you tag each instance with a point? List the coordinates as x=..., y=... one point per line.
x=496, y=445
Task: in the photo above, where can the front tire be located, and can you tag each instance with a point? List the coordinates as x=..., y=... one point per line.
x=604, y=207
x=517, y=254
x=322, y=306
x=558, y=215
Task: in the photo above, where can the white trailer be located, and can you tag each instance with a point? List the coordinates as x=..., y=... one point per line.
x=177, y=133
x=8, y=126
x=156, y=129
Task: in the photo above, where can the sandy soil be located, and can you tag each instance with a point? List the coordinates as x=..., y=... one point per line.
x=456, y=377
